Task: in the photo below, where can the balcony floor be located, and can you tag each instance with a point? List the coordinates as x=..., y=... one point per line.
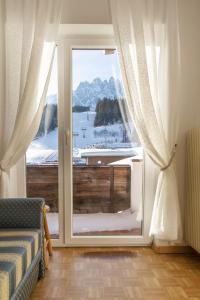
x=125, y=222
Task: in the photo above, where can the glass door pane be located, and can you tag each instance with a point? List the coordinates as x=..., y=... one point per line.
x=107, y=164
x=42, y=157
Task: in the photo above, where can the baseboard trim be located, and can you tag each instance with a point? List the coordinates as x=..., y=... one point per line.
x=172, y=249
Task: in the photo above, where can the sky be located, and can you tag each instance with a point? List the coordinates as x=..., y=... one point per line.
x=87, y=65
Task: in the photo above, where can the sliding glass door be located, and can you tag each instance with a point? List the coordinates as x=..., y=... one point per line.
x=103, y=158
x=86, y=159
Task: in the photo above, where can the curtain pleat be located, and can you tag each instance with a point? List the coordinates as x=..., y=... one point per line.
x=28, y=31
x=147, y=37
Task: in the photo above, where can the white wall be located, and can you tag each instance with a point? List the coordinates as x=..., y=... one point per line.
x=86, y=12
x=190, y=81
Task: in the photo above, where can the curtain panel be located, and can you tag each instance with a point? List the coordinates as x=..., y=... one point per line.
x=28, y=32
x=147, y=38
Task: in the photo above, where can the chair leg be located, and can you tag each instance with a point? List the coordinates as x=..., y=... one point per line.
x=47, y=234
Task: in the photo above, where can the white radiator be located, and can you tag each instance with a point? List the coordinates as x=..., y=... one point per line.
x=192, y=211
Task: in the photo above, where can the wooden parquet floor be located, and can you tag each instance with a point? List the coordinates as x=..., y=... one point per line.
x=119, y=274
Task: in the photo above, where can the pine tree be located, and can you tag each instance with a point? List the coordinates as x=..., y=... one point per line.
x=107, y=112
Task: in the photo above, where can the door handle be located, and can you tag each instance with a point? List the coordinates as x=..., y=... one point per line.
x=67, y=136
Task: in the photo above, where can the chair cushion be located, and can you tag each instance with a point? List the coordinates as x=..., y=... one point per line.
x=17, y=250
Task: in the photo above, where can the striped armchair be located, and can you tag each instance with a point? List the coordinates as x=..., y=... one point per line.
x=21, y=247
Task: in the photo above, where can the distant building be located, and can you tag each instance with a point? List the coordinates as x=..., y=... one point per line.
x=106, y=156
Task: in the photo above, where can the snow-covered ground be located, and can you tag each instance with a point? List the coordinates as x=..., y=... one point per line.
x=86, y=137
x=125, y=220
x=108, y=152
x=41, y=148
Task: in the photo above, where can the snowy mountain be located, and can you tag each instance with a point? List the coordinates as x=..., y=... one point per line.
x=88, y=93
x=85, y=96
x=109, y=133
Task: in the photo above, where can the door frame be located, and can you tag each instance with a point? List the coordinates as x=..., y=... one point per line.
x=66, y=238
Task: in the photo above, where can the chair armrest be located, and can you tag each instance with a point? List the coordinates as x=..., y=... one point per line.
x=21, y=213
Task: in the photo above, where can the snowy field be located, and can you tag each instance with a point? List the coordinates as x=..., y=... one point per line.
x=43, y=148
x=86, y=137
x=125, y=220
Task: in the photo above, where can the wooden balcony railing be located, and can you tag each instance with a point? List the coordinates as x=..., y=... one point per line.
x=95, y=188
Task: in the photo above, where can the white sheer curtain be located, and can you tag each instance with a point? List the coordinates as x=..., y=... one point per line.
x=147, y=37
x=27, y=41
